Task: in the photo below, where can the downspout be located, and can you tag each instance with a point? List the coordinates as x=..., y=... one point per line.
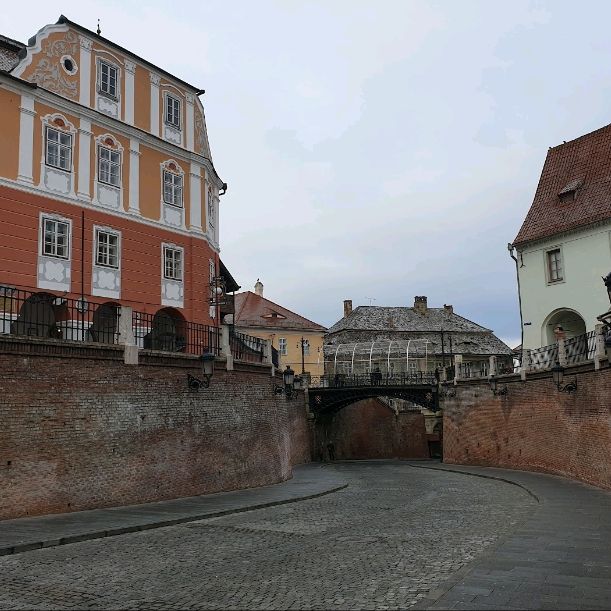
x=510, y=249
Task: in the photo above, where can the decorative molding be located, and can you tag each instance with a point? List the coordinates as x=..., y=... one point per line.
x=155, y=79
x=105, y=195
x=55, y=180
x=33, y=50
x=26, y=139
x=86, y=43
x=84, y=159
x=130, y=66
x=134, y=177
x=195, y=208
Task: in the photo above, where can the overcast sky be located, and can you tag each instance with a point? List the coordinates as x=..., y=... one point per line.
x=373, y=150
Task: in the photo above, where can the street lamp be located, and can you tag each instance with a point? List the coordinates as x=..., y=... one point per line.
x=288, y=377
x=303, y=343
x=607, y=281
x=207, y=360
x=558, y=376
x=492, y=381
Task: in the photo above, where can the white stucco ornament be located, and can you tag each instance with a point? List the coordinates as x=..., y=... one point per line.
x=54, y=271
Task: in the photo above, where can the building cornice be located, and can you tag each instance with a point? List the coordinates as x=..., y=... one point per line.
x=20, y=86
x=555, y=237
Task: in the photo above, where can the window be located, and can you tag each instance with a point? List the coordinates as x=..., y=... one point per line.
x=554, y=265
x=59, y=149
x=172, y=111
x=107, y=79
x=109, y=166
x=282, y=346
x=107, y=249
x=172, y=188
x=210, y=208
x=172, y=263
x=306, y=348
x=413, y=367
x=56, y=236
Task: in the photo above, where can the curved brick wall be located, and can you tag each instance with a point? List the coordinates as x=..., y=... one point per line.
x=534, y=427
x=79, y=429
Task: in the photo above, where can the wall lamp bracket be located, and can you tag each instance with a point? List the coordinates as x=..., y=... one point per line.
x=494, y=387
x=558, y=377
x=197, y=383
x=194, y=383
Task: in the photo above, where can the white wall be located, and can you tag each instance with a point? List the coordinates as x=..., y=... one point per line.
x=586, y=257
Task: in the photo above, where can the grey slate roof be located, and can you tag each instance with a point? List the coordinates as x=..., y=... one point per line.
x=9, y=53
x=374, y=323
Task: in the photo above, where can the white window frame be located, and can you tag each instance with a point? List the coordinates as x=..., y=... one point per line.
x=174, y=188
x=111, y=164
x=174, y=276
x=103, y=62
x=43, y=242
x=559, y=263
x=282, y=346
x=98, y=232
x=210, y=208
x=172, y=111
x=60, y=147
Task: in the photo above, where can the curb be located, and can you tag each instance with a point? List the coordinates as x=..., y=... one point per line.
x=122, y=530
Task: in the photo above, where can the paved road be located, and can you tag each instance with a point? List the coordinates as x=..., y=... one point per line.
x=389, y=539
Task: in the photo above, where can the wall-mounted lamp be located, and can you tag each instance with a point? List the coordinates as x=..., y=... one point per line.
x=288, y=377
x=208, y=370
x=496, y=391
x=558, y=376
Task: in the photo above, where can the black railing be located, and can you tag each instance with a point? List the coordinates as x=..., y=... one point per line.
x=341, y=380
x=44, y=315
x=247, y=347
x=544, y=358
x=580, y=348
x=171, y=333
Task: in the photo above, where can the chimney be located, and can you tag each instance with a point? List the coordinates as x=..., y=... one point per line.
x=259, y=288
x=347, y=307
x=420, y=304
x=448, y=308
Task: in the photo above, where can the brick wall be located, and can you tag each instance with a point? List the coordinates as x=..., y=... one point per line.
x=370, y=429
x=79, y=429
x=534, y=427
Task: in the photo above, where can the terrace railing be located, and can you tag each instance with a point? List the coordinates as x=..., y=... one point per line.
x=543, y=358
x=580, y=348
x=247, y=347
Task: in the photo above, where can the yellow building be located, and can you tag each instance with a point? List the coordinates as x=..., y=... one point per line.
x=299, y=341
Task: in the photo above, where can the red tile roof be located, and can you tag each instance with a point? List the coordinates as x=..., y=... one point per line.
x=582, y=165
x=252, y=310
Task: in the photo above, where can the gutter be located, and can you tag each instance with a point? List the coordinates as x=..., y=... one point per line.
x=510, y=249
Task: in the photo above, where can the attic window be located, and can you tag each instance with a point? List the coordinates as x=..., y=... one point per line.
x=274, y=315
x=568, y=193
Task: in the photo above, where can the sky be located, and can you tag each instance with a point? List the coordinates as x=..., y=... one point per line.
x=373, y=151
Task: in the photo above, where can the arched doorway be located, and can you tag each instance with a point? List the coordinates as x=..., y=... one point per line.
x=571, y=322
x=105, y=325
x=168, y=332
x=37, y=317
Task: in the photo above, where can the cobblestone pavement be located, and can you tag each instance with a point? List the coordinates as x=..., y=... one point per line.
x=395, y=534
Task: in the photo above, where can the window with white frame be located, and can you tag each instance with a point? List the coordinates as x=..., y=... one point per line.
x=55, y=238
x=108, y=78
x=172, y=188
x=172, y=263
x=107, y=249
x=282, y=347
x=58, y=149
x=210, y=208
x=109, y=166
x=554, y=265
x=306, y=347
x=172, y=111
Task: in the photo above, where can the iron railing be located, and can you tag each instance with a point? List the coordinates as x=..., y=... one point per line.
x=247, y=347
x=340, y=380
x=544, y=358
x=45, y=315
x=580, y=348
x=170, y=333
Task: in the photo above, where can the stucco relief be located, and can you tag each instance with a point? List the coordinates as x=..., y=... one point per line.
x=57, y=180
x=173, y=215
x=53, y=273
x=106, y=282
x=172, y=134
x=109, y=196
x=48, y=72
x=108, y=106
x=172, y=293
x=201, y=142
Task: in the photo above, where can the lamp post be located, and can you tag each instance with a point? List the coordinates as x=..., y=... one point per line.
x=288, y=376
x=558, y=376
x=207, y=360
x=303, y=343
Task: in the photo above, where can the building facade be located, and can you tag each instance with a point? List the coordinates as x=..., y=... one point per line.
x=288, y=332
x=564, y=245
x=107, y=188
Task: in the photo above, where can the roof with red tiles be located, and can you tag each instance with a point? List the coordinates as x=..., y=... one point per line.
x=252, y=310
x=574, y=189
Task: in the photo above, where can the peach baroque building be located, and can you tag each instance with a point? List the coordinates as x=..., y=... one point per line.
x=107, y=186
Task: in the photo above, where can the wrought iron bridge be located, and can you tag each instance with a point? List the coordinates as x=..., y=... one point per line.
x=330, y=393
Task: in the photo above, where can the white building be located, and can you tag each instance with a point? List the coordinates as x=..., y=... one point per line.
x=564, y=245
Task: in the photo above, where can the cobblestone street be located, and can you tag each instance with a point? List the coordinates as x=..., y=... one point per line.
x=388, y=539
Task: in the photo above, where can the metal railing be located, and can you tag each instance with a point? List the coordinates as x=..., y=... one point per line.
x=580, y=348
x=43, y=315
x=543, y=358
x=247, y=347
x=340, y=380
x=162, y=331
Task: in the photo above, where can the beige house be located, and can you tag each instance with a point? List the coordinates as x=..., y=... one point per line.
x=299, y=341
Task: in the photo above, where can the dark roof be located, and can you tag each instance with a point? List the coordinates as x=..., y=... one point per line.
x=377, y=318
x=581, y=166
x=230, y=284
x=252, y=310
x=9, y=53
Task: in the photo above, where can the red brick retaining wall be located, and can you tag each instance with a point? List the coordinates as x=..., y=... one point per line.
x=534, y=427
x=79, y=429
x=370, y=429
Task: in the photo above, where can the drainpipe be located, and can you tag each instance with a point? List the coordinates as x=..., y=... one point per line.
x=510, y=249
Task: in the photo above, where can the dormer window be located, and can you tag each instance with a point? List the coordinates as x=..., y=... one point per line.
x=570, y=190
x=172, y=111
x=108, y=78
